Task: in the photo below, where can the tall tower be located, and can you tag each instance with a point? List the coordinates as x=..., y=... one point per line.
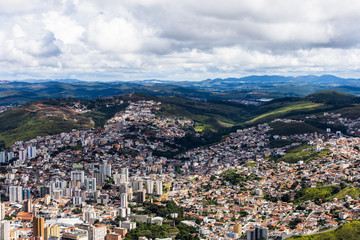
x=237, y=229
x=4, y=230
x=2, y=211
x=125, y=171
x=38, y=227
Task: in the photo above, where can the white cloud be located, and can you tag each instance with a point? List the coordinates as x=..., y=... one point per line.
x=186, y=39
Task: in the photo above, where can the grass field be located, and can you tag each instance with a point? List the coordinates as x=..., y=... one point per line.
x=304, y=153
x=296, y=107
x=349, y=231
x=353, y=192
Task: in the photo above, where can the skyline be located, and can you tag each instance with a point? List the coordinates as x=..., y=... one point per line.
x=177, y=40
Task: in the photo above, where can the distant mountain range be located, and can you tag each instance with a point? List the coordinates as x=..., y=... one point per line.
x=251, y=87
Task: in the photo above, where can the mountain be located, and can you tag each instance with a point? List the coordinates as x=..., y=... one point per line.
x=252, y=87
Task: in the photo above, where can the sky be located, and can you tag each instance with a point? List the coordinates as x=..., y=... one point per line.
x=177, y=39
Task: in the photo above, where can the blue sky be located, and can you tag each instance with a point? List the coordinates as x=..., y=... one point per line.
x=177, y=40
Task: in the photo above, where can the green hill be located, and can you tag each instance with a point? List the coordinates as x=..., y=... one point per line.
x=349, y=231
x=332, y=98
x=52, y=116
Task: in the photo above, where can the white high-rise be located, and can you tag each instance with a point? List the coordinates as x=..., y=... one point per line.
x=124, y=200
x=2, y=157
x=106, y=170
x=4, y=230
x=150, y=187
x=125, y=171
x=15, y=194
x=119, y=179
x=10, y=155
x=22, y=155
x=78, y=176
x=2, y=211
x=158, y=188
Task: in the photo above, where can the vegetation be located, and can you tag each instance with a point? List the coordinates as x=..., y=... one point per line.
x=332, y=98
x=235, y=178
x=296, y=107
x=151, y=231
x=353, y=192
x=303, y=152
x=326, y=193
x=349, y=231
x=287, y=129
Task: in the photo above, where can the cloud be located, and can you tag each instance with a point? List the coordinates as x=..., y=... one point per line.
x=138, y=39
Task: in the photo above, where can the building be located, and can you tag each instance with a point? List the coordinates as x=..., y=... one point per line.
x=158, y=188
x=141, y=196
x=97, y=233
x=106, y=170
x=2, y=157
x=10, y=155
x=90, y=184
x=2, y=211
x=22, y=155
x=257, y=234
x=4, y=230
x=237, y=229
x=100, y=178
x=76, y=234
x=15, y=194
x=124, y=200
x=31, y=151
x=52, y=231
x=39, y=227
x=47, y=199
x=113, y=236
x=121, y=231
x=150, y=187
x=28, y=206
x=26, y=193
x=125, y=171
x=77, y=176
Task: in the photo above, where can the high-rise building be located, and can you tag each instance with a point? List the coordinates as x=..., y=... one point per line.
x=2, y=157
x=10, y=155
x=52, y=231
x=257, y=234
x=31, y=151
x=105, y=169
x=237, y=229
x=141, y=196
x=100, y=178
x=78, y=176
x=26, y=193
x=138, y=185
x=150, y=187
x=4, y=230
x=22, y=155
x=119, y=179
x=28, y=206
x=15, y=194
x=124, y=200
x=2, y=211
x=125, y=171
x=38, y=227
x=90, y=184
x=158, y=188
